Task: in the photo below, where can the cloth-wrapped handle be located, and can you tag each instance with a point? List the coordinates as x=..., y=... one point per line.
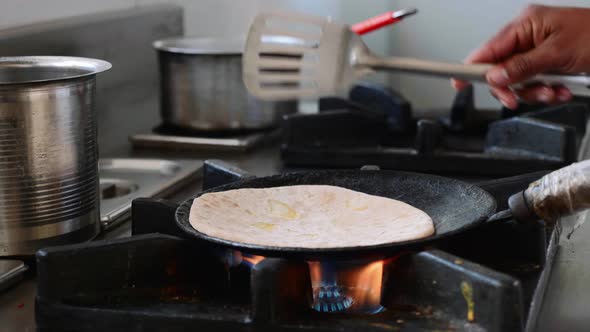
x=561, y=192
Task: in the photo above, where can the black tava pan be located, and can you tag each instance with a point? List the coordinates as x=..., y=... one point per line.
x=454, y=206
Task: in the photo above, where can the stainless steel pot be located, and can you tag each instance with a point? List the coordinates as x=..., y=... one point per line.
x=201, y=87
x=48, y=152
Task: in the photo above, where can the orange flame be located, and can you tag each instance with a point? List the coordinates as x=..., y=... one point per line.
x=362, y=282
x=236, y=257
x=253, y=259
x=368, y=285
x=315, y=273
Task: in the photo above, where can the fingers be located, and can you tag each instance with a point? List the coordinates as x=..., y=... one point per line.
x=520, y=35
x=532, y=94
x=563, y=94
x=498, y=48
x=522, y=66
x=538, y=94
x=522, y=49
x=505, y=96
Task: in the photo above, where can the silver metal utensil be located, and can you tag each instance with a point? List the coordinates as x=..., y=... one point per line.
x=292, y=56
x=201, y=87
x=48, y=152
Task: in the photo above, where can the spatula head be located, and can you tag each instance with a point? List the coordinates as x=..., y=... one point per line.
x=292, y=56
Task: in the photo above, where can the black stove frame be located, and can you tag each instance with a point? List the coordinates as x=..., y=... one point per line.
x=375, y=126
x=158, y=280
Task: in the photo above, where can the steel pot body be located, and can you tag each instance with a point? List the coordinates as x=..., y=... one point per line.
x=49, y=191
x=201, y=87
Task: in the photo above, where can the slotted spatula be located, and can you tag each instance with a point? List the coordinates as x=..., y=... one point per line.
x=293, y=56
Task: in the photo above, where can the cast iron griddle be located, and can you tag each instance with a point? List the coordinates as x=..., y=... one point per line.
x=454, y=206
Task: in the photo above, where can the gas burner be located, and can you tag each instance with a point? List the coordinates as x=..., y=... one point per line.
x=375, y=126
x=173, y=138
x=347, y=286
x=161, y=280
x=330, y=299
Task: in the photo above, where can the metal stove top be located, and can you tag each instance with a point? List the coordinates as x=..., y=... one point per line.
x=121, y=181
x=124, y=179
x=473, y=282
x=376, y=126
x=179, y=139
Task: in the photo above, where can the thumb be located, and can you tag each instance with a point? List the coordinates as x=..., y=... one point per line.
x=522, y=66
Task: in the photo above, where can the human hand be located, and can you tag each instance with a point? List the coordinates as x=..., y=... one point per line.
x=540, y=40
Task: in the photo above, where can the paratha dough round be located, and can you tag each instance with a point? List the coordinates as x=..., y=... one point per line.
x=307, y=216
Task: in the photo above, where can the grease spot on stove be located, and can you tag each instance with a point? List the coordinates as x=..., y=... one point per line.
x=467, y=291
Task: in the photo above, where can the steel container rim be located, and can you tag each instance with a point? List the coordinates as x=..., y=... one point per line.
x=65, y=68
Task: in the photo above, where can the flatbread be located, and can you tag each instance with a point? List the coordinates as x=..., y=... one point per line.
x=307, y=216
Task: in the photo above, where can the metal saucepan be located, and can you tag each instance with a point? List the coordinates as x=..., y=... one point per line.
x=453, y=205
x=49, y=192
x=201, y=87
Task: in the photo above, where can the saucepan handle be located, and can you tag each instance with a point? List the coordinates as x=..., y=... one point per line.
x=561, y=192
x=468, y=72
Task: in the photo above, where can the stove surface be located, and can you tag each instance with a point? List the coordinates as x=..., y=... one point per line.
x=377, y=126
x=124, y=179
x=191, y=140
x=473, y=282
x=562, y=307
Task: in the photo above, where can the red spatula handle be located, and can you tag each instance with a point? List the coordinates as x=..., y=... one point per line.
x=375, y=23
x=382, y=20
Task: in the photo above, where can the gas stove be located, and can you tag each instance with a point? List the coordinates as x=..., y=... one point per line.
x=377, y=126
x=164, y=282
x=490, y=279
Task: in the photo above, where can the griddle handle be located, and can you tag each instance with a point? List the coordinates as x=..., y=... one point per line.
x=520, y=209
x=557, y=194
